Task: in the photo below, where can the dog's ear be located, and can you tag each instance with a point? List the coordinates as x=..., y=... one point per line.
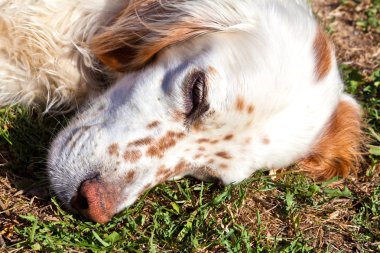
x=338, y=149
x=141, y=30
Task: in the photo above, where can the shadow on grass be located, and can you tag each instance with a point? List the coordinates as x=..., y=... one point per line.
x=25, y=136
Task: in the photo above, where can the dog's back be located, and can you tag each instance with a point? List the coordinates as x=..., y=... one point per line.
x=43, y=51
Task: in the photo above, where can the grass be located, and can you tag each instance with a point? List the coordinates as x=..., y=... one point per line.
x=286, y=212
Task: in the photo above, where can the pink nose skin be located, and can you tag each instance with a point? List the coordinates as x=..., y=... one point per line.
x=95, y=200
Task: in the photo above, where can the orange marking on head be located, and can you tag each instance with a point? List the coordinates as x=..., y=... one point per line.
x=322, y=54
x=239, y=104
x=197, y=156
x=130, y=177
x=132, y=156
x=154, y=124
x=162, y=170
x=212, y=70
x=178, y=116
x=198, y=126
x=154, y=151
x=164, y=143
x=124, y=47
x=203, y=140
x=180, y=135
x=113, y=149
x=141, y=142
x=224, y=155
x=228, y=137
x=180, y=168
x=223, y=166
x=266, y=140
x=250, y=109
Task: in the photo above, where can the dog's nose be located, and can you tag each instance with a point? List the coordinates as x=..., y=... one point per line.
x=95, y=200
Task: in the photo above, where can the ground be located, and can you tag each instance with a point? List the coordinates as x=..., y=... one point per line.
x=282, y=212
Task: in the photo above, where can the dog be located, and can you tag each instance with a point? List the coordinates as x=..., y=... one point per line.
x=215, y=90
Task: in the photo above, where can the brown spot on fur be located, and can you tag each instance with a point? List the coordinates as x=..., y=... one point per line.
x=202, y=148
x=132, y=156
x=178, y=116
x=180, y=168
x=322, y=54
x=239, y=104
x=250, y=109
x=141, y=142
x=212, y=70
x=211, y=161
x=180, y=135
x=113, y=149
x=164, y=143
x=154, y=151
x=162, y=171
x=154, y=124
x=224, y=155
x=170, y=134
x=214, y=141
x=228, y=137
x=198, y=126
x=338, y=149
x=130, y=177
x=203, y=140
x=266, y=140
x=197, y=156
x=223, y=166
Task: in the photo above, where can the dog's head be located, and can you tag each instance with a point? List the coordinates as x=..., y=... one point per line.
x=208, y=88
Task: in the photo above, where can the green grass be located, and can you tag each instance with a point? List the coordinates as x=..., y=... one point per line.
x=371, y=18
x=289, y=213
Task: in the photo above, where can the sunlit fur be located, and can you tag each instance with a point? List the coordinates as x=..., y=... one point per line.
x=44, y=57
x=274, y=94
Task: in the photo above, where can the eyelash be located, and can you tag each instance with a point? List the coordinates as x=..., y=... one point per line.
x=195, y=95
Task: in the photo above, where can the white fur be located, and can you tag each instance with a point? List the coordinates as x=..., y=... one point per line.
x=263, y=53
x=42, y=44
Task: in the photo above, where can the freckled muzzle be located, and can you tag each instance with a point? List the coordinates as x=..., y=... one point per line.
x=96, y=200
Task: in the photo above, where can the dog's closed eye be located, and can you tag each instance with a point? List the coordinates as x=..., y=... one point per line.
x=195, y=95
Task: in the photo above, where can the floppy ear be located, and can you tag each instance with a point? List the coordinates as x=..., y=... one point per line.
x=337, y=151
x=142, y=29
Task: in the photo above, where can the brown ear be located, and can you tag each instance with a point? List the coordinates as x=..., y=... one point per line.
x=323, y=53
x=338, y=150
x=141, y=30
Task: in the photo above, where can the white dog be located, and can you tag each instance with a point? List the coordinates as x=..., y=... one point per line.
x=211, y=89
